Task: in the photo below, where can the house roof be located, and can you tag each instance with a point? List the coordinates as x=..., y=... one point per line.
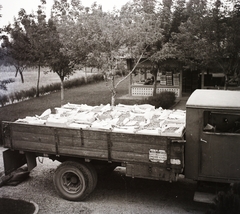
x=217, y=99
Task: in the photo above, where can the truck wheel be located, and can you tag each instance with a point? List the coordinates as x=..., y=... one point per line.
x=72, y=181
x=93, y=173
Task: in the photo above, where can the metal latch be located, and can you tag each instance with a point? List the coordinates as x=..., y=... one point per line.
x=204, y=141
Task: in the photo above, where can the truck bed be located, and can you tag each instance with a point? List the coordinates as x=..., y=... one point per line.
x=133, y=150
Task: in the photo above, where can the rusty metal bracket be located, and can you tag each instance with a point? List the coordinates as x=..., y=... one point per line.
x=81, y=136
x=109, y=144
x=168, y=154
x=56, y=137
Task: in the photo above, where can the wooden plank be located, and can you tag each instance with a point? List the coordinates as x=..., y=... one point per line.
x=95, y=134
x=136, y=147
x=130, y=157
x=33, y=138
x=137, y=138
x=67, y=141
x=87, y=134
x=28, y=128
x=40, y=138
x=33, y=146
x=83, y=153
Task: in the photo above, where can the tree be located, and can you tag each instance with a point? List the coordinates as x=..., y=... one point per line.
x=58, y=62
x=35, y=26
x=152, y=22
x=137, y=32
x=209, y=37
x=69, y=46
x=90, y=20
x=18, y=48
x=3, y=83
x=4, y=44
x=69, y=20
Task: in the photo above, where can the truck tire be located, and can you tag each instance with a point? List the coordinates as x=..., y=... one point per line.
x=73, y=181
x=94, y=174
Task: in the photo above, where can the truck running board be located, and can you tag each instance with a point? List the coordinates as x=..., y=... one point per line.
x=204, y=197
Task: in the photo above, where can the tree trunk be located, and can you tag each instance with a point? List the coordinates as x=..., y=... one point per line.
x=226, y=82
x=86, y=80
x=202, y=80
x=21, y=74
x=155, y=83
x=113, y=98
x=38, y=80
x=154, y=74
x=62, y=92
x=16, y=71
x=113, y=91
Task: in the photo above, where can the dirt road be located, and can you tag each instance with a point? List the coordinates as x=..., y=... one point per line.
x=114, y=194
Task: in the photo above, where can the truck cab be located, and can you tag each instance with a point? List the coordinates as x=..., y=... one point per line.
x=212, y=150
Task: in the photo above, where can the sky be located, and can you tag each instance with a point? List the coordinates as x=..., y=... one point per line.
x=10, y=8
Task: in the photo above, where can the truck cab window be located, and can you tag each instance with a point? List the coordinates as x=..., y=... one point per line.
x=220, y=122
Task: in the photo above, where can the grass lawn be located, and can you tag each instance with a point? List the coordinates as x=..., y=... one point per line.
x=30, y=78
x=91, y=94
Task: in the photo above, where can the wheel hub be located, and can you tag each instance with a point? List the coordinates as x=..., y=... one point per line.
x=71, y=182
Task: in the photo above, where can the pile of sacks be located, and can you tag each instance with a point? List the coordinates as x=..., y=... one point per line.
x=138, y=119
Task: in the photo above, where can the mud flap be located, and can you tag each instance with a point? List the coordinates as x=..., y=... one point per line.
x=13, y=160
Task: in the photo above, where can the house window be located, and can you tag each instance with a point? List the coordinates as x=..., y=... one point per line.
x=219, y=122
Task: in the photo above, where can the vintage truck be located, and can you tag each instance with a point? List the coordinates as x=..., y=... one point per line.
x=206, y=149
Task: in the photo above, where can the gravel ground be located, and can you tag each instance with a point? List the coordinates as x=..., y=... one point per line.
x=114, y=194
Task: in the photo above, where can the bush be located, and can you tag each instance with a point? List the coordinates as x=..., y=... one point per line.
x=95, y=78
x=81, y=81
x=165, y=100
x=30, y=93
x=3, y=99
x=21, y=95
x=12, y=97
x=74, y=83
x=49, y=88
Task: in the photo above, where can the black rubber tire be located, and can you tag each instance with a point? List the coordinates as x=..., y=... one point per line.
x=94, y=174
x=73, y=181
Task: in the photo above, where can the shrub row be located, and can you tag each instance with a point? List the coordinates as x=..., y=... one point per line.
x=165, y=99
x=30, y=93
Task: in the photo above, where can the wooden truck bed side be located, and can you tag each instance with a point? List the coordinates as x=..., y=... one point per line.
x=136, y=151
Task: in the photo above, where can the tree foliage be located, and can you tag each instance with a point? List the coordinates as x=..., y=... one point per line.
x=36, y=28
x=198, y=33
x=17, y=48
x=36, y=42
x=209, y=37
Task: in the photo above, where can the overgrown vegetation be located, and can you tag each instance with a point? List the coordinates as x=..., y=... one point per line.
x=165, y=99
x=30, y=93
